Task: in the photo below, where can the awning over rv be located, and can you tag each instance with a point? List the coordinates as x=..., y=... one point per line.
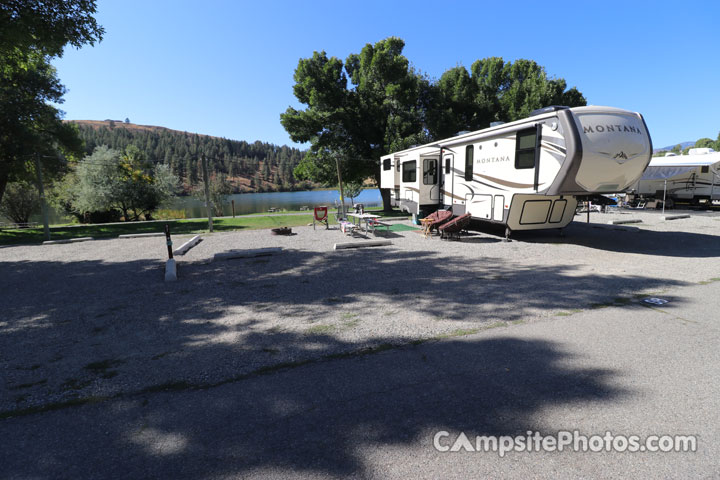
x=666, y=167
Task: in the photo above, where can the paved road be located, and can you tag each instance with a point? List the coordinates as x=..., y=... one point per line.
x=627, y=369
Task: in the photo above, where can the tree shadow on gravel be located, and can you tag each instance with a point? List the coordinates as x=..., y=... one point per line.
x=82, y=329
x=321, y=419
x=628, y=239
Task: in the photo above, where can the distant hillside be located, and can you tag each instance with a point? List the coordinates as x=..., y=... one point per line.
x=683, y=146
x=249, y=167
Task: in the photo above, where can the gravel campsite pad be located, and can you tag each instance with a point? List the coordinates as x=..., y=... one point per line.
x=96, y=319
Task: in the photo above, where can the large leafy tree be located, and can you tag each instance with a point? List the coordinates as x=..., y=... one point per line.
x=357, y=111
x=32, y=32
x=494, y=90
x=374, y=103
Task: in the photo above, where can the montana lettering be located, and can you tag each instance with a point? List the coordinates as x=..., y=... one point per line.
x=611, y=128
x=493, y=159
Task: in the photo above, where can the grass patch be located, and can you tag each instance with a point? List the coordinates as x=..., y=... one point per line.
x=598, y=306
x=351, y=324
x=460, y=332
x=319, y=329
x=177, y=227
x=712, y=280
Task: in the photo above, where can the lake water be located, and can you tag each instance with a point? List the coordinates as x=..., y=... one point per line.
x=262, y=202
x=246, y=203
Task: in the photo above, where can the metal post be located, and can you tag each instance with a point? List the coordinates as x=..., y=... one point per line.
x=206, y=180
x=43, y=204
x=168, y=241
x=233, y=207
x=712, y=186
x=589, y=206
x=342, y=195
x=664, y=191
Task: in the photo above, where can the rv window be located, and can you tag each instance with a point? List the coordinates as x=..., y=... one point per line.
x=429, y=171
x=704, y=169
x=469, y=163
x=447, y=165
x=409, y=173
x=386, y=164
x=525, y=148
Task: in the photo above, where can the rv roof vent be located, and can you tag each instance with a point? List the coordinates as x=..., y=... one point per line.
x=700, y=151
x=671, y=154
x=462, y=132
x=551, y=108
x=496, y=124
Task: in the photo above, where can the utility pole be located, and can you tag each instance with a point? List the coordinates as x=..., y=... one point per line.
x=41, y=190
x=342, y=194
x=206, y=180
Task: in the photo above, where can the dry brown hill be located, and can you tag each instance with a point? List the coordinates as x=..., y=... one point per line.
x=129, y=126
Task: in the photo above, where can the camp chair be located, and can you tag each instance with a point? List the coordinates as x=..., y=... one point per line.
x=438, y=218
x=320, y=215
x=455, y=227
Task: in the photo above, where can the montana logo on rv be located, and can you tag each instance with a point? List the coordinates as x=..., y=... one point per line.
x=493, y=159
x=611, y=128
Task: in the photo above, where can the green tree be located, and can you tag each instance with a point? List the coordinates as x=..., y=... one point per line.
x=32, y=32
x=375, y=103
x=20, y=201
x=352, y=190
x=495, y=91
x=707, y=143
x=356, y=123
x=220, y=190
x=108, y=180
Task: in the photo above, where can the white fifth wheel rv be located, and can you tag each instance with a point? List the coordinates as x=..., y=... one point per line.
x=525, y=175
x=692, y=178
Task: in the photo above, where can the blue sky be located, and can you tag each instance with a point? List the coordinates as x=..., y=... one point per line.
x=225, y=68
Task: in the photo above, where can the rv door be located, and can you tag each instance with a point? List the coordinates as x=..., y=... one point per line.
x=448, y=183
x=430, y=177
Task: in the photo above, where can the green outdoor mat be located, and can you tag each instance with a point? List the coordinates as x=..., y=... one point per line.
x=401, y=227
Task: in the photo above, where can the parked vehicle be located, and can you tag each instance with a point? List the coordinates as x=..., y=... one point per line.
x=527, y=174
x=692, y=178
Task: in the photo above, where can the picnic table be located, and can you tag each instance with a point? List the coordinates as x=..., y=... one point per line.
x=371, y=221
